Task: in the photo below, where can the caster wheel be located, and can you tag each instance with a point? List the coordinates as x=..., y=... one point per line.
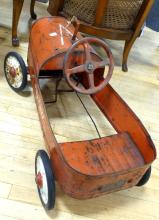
x=145, y=178
x=15, y=71
x=45, y=180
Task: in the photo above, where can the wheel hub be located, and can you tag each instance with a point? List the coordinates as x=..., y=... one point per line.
x=39, y=180
x=13, y=72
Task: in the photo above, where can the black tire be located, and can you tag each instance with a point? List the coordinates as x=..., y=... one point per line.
x=23, y=71
x=145, y=177
x=50, y=180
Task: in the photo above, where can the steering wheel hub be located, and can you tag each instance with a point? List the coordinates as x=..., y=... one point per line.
x=90, y=67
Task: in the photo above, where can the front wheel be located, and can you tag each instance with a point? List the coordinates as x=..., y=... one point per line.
x=15, y=71
x=145, y=178
x=45, y=180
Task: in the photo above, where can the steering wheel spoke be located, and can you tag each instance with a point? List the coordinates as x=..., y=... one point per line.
x=91, y=80
x=77, y=69
x=100, y=64
x=87, y=52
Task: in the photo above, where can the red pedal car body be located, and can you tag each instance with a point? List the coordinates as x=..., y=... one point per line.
x=90, y=168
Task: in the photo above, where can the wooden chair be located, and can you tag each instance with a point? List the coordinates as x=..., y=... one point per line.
x=17, y=8
x=112, y=19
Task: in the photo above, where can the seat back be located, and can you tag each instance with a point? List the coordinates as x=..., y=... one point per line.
x=117, y=14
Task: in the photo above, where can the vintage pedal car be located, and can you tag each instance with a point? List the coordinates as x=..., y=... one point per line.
x=90, y=168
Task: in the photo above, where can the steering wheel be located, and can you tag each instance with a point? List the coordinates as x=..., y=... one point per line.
x=89, y=66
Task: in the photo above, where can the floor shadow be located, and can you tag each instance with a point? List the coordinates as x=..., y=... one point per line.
x=27, y=91
x=93, y=207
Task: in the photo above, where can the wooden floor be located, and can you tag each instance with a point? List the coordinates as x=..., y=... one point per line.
x=21, y=137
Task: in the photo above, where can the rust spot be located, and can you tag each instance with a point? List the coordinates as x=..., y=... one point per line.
x=96, y=160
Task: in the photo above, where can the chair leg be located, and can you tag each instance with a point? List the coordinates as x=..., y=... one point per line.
x=17, y=7
x=55, y=6
x=32, y=13
x=127, y=48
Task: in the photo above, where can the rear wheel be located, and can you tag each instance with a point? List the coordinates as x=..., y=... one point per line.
x=145, y=178
x=45, y=180
x=15, y=71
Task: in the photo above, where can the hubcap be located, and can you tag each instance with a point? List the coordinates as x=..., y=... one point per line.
x=13, y=72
